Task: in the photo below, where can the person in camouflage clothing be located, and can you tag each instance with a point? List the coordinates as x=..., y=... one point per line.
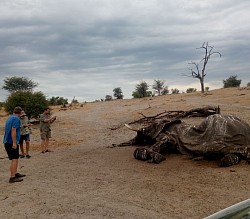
x=45, y=131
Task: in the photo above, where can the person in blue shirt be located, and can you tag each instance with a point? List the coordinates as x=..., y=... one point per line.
x=12, y=134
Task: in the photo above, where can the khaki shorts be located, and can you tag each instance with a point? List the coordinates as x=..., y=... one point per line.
x=45, y=135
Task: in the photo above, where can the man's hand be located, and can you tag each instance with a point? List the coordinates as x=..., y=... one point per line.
x=52, y=119
x=14, y=146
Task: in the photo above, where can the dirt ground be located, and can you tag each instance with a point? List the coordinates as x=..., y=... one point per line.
x=83, y=178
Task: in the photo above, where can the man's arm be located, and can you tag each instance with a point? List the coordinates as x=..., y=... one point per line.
x=13, y=136
x=52, y=119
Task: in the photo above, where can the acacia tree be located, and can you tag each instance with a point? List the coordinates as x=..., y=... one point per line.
x=141, y=90
x=200, y=74
x=32, y=103
x=13, y=84
x=118, y=93
x=158, y=86
x=57, y=101
x=231, y=82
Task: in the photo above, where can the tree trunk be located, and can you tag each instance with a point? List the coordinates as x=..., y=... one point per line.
x=202, y=85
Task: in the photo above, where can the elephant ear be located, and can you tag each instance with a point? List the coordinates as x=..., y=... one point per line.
x=156, y=128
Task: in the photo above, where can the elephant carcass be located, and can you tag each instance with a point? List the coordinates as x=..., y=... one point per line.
x=225, y=137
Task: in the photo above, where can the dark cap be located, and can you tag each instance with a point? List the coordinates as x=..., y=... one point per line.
x=17, y=110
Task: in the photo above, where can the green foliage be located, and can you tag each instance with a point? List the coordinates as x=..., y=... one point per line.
x=158, y=86
x=32, y=103
x=207, y=89
x=13, y=84
x=118, y=93
x=165, y=91
x=53, y=101
x=108, y=98
x=191, y=90
x=248, y=84
x=75, y=101
x=136, y=94
x=231, y=82
x=141, y=90
x=175, y=91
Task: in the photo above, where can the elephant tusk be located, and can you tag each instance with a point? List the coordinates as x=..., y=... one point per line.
x=131, y=128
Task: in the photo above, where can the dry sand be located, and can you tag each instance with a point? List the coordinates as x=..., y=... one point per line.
x=83, y=178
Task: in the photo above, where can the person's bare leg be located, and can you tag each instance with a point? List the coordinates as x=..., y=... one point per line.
x=46, y=144
x=21, y=148
x=43, y=145
x=13, y=167
x=27, y=147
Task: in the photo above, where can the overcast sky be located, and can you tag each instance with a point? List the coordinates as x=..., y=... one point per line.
x=86, y=48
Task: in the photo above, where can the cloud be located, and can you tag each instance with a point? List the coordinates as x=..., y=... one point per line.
x=86, y=48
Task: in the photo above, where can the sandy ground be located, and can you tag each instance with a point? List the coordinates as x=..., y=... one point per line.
x=83, y=178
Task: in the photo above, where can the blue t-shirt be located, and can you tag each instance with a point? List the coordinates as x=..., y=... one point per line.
x=12, y=122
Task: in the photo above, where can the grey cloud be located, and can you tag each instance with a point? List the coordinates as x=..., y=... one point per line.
x=98, y=45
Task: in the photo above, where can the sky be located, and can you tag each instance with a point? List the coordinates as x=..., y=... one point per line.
x=86, y=48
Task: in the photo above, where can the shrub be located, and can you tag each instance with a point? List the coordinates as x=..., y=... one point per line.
x=32, y=103
x=248, y=84
x=165, y=91
x=141, y=90
x=175, y=91
x=118, y=93
x=231, y=82
x=108, y=98
x=53, y=101
x=191, y=90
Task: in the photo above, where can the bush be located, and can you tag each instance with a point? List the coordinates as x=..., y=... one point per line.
x=207, y=89
x=231, y=82
x=165, y=91
x=191, y=90
x=33, y=103
x=108, y=98
x=53, y=101
x=118, y=93
x=141, y=90
x=175, y=91
x=248, y=84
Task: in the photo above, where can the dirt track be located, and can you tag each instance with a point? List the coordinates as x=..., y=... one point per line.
x=83, y=178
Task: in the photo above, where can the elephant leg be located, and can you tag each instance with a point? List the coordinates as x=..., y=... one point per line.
x=234, y=154
x=148, y=154
x=156, y=157
x=229, y=160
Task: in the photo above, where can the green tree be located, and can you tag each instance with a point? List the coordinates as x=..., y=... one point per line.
x=118, y=93
x=108, y=98
x=175, y=91
x=231, y=82
x=158, y=86
x=165, y=90
x=32, y=103
x=53, y=101
x=13, y=84
x=191, y=90
x=141, y=90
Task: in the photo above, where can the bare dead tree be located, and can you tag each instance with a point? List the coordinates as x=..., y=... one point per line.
x=196, y=73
